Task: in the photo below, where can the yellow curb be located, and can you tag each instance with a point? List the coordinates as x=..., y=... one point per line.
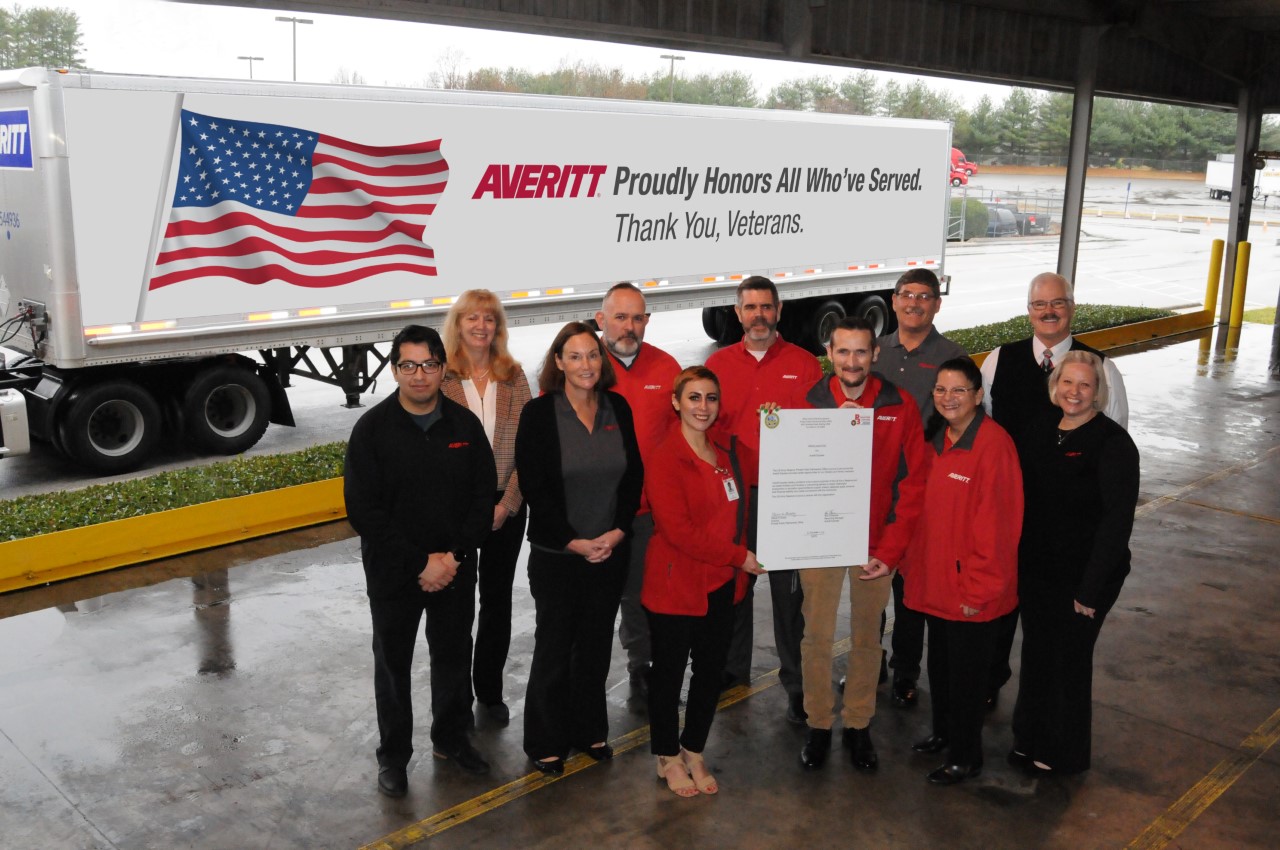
x=77, y=552
x=1145, y=331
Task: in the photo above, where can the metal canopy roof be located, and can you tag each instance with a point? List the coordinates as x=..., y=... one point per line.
x=1178, y=51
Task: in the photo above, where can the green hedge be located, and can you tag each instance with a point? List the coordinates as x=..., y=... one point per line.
x=976, y=217
x=43, y=513
x=28, y=516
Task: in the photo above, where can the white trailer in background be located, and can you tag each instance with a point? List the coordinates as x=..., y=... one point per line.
x=1219, y=173
x=173, y=250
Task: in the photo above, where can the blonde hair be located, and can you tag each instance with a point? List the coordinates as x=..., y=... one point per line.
x=1091, y=360
x=503, y=366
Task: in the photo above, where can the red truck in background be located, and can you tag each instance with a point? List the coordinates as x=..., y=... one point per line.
x=959, y=163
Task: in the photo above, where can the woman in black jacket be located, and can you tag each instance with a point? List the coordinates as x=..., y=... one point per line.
x=1080, y=476
x=580, y=471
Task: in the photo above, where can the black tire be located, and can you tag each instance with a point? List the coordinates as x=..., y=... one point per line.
x=713, y=322
x=821, y=322
x=226, y=410
x=110, y=427
x=731, y=328
x=956, y=181
x=877, y=312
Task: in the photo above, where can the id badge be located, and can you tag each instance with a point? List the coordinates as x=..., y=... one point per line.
x=730, y=489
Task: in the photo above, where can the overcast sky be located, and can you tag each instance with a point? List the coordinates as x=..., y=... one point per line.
x=184, y=39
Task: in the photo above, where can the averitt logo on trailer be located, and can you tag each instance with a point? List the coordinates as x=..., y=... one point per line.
x=15, y=139
x=539, y=181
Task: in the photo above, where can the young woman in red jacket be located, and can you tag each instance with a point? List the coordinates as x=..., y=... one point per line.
x=696, y=569
x=961, y=570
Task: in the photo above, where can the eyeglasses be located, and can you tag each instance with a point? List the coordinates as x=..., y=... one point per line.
x=922, y=297
x=1041, y=306
x=954, y=392
x=408, y=367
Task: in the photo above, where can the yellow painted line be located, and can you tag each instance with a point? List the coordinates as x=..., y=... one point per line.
x=1232, y=511
x=498, y=797
x=77, y=552
x=1192, y=804
x=1226, y=472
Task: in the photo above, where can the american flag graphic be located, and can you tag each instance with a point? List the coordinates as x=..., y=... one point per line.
x=260, y=202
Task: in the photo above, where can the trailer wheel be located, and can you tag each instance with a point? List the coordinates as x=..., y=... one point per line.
x=721, y=324
x=712, y=322
x=822, y=321
x=226, y=410
x=874, y=310
x=110, y=427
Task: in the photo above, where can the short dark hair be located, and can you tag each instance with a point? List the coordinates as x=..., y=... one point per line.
x=965, y=366
x=756, y=282
x=551, y=379
x=624, y=285
x=419, y=335
x=854, y=323
x=925, y=276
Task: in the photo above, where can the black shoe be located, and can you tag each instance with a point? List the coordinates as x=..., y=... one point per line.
x=932, y=744
x=816, y=746
x=840, y=684
x=884, y=667
x=464, y=755
x=952, y=774
x=904, y=693
x=498, y=712
x=728, y=680
x=1021, y=761
x=555, y=767
x=393, y=781
x=604, y=752
x=863, y=751
x=795, y=710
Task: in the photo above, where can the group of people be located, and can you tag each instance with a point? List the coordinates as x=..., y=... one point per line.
x=638, y=481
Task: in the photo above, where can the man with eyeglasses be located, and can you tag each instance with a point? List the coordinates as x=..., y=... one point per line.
x=1016, y=378
x=419, y=485
x=644, y=374
x=910, y=357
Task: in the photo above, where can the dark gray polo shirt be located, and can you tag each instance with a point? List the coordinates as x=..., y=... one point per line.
x=592, y=464
x=916, y=371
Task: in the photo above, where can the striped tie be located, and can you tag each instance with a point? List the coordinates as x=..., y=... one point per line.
x=1047, y=365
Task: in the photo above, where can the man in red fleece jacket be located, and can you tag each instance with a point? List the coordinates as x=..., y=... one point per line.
x=899, y=467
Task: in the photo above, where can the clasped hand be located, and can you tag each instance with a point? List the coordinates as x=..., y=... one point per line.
x=599, y=549
x=439, y=572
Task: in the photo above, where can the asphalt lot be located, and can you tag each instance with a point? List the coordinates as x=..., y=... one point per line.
x=1130, y=261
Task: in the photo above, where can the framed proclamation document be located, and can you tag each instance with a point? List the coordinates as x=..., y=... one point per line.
x=815, y=488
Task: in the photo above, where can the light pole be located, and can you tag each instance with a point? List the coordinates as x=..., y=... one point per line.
x=671, y=75
x=295, y=22
x=251, y=60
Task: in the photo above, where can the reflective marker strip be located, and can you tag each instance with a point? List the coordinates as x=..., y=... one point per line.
x=109, y=329
x=317, y=311
x=264, y=317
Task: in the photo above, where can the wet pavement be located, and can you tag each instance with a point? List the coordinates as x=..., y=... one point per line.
x=224, y=699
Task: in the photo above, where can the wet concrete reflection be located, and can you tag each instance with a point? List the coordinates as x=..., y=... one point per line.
x=211, y=599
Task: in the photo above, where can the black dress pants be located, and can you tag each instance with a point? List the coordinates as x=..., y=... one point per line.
x=908, y=636
x=676, y=640
x=959, y=664
x=576, y=603
x=1052, y=721
x=449, y=615
x=497, y=572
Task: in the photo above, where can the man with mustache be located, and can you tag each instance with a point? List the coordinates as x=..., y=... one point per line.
x=764, y=368
x=645, y=374
x=899, y=466
x=910, y=357
x=1017, y=397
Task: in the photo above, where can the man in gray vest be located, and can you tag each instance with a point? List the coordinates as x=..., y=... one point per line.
x=910, y=357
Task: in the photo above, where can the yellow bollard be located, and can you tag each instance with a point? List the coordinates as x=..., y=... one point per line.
x=1215, y=275
x=1242, y=280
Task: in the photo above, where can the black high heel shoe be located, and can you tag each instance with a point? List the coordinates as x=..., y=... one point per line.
x=551, y=767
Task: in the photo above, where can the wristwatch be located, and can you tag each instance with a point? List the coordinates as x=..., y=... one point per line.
x=459, y=554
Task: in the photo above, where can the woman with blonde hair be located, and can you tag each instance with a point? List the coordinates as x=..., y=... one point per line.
x=484, y=377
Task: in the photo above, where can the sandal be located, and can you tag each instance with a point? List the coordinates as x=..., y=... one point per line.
x=698, y=771
x=672, y=769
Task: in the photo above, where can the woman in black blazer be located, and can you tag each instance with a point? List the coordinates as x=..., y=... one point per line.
x=580, y=471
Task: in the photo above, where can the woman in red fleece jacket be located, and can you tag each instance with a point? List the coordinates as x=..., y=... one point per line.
x=961, y=570
x=695, y=571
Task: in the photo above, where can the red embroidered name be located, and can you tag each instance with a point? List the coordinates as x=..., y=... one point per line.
x=1074, y=454
x=461, y=445
x=611, y=427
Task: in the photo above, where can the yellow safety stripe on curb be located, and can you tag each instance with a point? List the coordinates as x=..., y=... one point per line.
x=498, y=797
x=1179, y=816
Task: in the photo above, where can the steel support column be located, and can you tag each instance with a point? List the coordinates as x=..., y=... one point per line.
x=1078, y=153
x=1248, y=134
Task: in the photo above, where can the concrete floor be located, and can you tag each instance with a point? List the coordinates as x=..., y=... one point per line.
x=224, y=700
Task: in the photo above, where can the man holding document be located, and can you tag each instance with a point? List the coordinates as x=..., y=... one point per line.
x=899, y=466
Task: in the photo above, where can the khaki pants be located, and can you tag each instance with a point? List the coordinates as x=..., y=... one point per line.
x=867, y=600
